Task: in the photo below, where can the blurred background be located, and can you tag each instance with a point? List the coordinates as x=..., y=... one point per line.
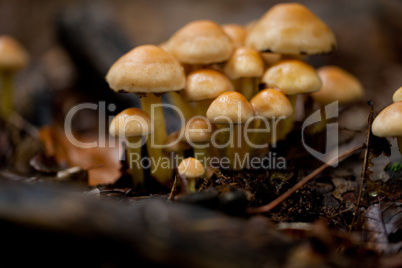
x=73, y=43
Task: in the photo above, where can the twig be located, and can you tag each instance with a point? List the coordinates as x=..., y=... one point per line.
x=365, y=164
x=280, y=199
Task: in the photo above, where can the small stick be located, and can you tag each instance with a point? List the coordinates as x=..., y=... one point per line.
x=365, y=165
x=280, y=199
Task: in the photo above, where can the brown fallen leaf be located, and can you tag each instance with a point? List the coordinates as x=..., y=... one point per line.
x=384, y=224
x=102, y=161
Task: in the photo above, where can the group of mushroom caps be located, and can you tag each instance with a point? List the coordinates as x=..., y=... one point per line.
x=227, y=77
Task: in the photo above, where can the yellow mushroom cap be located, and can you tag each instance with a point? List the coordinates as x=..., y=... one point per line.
x=397, y=95
x=198, y=130
x=13, y=56
x=291, y=28
x=271, y=103
x=337, y=85
x=130, y=122
x=236, y=32
x=205, y=84
x=292, y=77
x=200, y=42
x=191, y=168
x=174, y=144
x=146, y=69
x=230, y=107
x=388, y=121
x=244, y=62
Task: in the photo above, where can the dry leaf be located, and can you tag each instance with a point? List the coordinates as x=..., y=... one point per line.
x=102, y=162
x=384, y=223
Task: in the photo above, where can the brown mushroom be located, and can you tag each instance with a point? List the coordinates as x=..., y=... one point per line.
x=291, y=77
x=13, y=57
x=132, y=124
x=200, y=43
x=236, y=32
x=291, y=28
x=388, y=123
x=149, y=71
x=337, y=85
x=230, y=109
x=203, y=86
x=190, y=169
x=269, y=105
x=245, y=68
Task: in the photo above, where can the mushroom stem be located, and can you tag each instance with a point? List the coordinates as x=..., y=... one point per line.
x=160, y=170
x=221, y=138
x=258, y=138
x=248, y=86
x=201, y=107
x=185, y=107
x=399, y=140
x=6, y=94
x=234, y=151
x=135, y=168
x=320, y=126
x=285, y=126
x=191, y=185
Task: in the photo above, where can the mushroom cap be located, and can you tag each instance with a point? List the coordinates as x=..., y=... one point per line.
x=174, y=144
x=205, y=84
x=337, y=85
x=13, y=55
x=198, y=130
x=236, y=32
x=191, y=168
x=244, y=62
x=271, y=58
x=397, y=95
x=130, y=122
x=146, y=69
x=230, y=108
x=291, y=28
x=387, y=122
x=271, y=103
x=200, y=42
x=292, y=77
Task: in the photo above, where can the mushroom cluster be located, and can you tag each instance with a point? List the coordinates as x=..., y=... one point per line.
x=236, y=86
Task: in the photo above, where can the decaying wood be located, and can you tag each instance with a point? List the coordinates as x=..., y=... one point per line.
x=152, y=231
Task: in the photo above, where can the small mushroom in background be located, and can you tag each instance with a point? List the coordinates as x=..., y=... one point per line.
x=397, y=95
x=291, y=29
x=337, y=85
x=291, y=77
x=13, y=57
x=388, y=123
x=150, y=72
x=189, y=170
x=230, y=109
x=245, y=68
x=236, y=32
x=132, y=124
x=203, y=86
